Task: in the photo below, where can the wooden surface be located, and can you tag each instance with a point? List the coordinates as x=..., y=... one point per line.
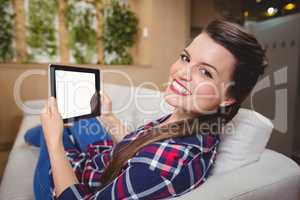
x=63, y=32
x=3, y=160
x=20, y=30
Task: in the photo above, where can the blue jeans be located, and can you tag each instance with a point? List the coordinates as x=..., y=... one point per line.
x=84, y=132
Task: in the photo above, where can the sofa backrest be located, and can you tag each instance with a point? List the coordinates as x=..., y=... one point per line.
x=136, y=106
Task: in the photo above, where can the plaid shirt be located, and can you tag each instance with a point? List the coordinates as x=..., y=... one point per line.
x=163, y=169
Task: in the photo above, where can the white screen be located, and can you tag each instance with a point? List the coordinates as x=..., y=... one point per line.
x=74, y=91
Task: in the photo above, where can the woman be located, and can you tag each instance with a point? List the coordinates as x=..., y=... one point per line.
x=174, y=154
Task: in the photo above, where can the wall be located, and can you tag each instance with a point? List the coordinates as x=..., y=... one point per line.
x=279, y=100
x=202, y=12
x=168, y=25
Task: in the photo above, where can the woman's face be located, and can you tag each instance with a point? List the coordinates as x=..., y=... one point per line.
x=200, y=77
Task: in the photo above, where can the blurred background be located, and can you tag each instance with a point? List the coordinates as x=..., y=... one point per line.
x=142, y=38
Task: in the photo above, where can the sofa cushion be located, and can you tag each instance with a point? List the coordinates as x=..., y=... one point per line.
x=243, y=140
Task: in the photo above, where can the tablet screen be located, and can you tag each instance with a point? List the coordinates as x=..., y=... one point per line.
x=74, y=91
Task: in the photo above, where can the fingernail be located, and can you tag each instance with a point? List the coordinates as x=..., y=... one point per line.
x=51, y=100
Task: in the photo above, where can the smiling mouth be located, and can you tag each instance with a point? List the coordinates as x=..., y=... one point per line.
x=179, y=89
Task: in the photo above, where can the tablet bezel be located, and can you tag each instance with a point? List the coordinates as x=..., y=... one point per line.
x=54, y=67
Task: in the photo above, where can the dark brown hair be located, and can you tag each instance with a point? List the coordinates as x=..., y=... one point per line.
x=251, y=62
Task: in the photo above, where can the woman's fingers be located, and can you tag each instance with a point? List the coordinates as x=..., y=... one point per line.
x=67, y=125
x=45, y=108
x=52, y=106
x=104, y=96
x=106, y=103
x=45, y=113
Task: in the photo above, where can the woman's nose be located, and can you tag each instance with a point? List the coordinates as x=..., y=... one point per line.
x=185, y=73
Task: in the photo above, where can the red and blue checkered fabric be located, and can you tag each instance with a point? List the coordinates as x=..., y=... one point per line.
x=161, y=170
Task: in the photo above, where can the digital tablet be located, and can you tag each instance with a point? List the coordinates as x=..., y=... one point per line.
x=76, y=90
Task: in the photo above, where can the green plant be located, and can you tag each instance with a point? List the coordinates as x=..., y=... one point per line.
x=6, y=31
x=83, y=42
x=41, y=27
x=119, y=33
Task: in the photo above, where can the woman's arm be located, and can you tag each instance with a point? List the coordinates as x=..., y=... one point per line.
x=52, y=123
x=110, y=121
x=63, y=175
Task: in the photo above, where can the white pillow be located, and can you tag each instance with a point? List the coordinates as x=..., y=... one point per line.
x=243, y=141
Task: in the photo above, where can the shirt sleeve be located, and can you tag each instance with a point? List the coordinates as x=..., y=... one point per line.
x=150, y=179
x=135, y=182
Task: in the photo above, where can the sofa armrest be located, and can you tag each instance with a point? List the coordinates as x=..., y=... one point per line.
x=273, y=177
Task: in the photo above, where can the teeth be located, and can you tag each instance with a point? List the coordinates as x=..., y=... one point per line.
x=179, y=87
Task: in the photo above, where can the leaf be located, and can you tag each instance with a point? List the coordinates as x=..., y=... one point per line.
x=83, y=39
x=6, y=31
x=41, y=29
x=119, y=31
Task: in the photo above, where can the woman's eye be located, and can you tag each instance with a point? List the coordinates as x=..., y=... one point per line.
x=184, y=58
x=205, y=72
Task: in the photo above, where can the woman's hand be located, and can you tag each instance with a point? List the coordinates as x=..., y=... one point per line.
x=106, y=108
x=110, y=121
x=105, y=105
x=52, y=123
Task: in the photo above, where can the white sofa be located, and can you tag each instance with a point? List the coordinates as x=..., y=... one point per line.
x=273, y=177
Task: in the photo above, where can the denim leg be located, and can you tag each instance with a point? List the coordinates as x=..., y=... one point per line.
x=43, y=182
x=33, y=136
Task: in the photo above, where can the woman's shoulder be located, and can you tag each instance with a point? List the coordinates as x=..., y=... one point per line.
x=203, y=142
x=167, y=157
x=181, y=147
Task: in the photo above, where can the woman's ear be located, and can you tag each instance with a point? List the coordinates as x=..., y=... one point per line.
x=228, y=101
